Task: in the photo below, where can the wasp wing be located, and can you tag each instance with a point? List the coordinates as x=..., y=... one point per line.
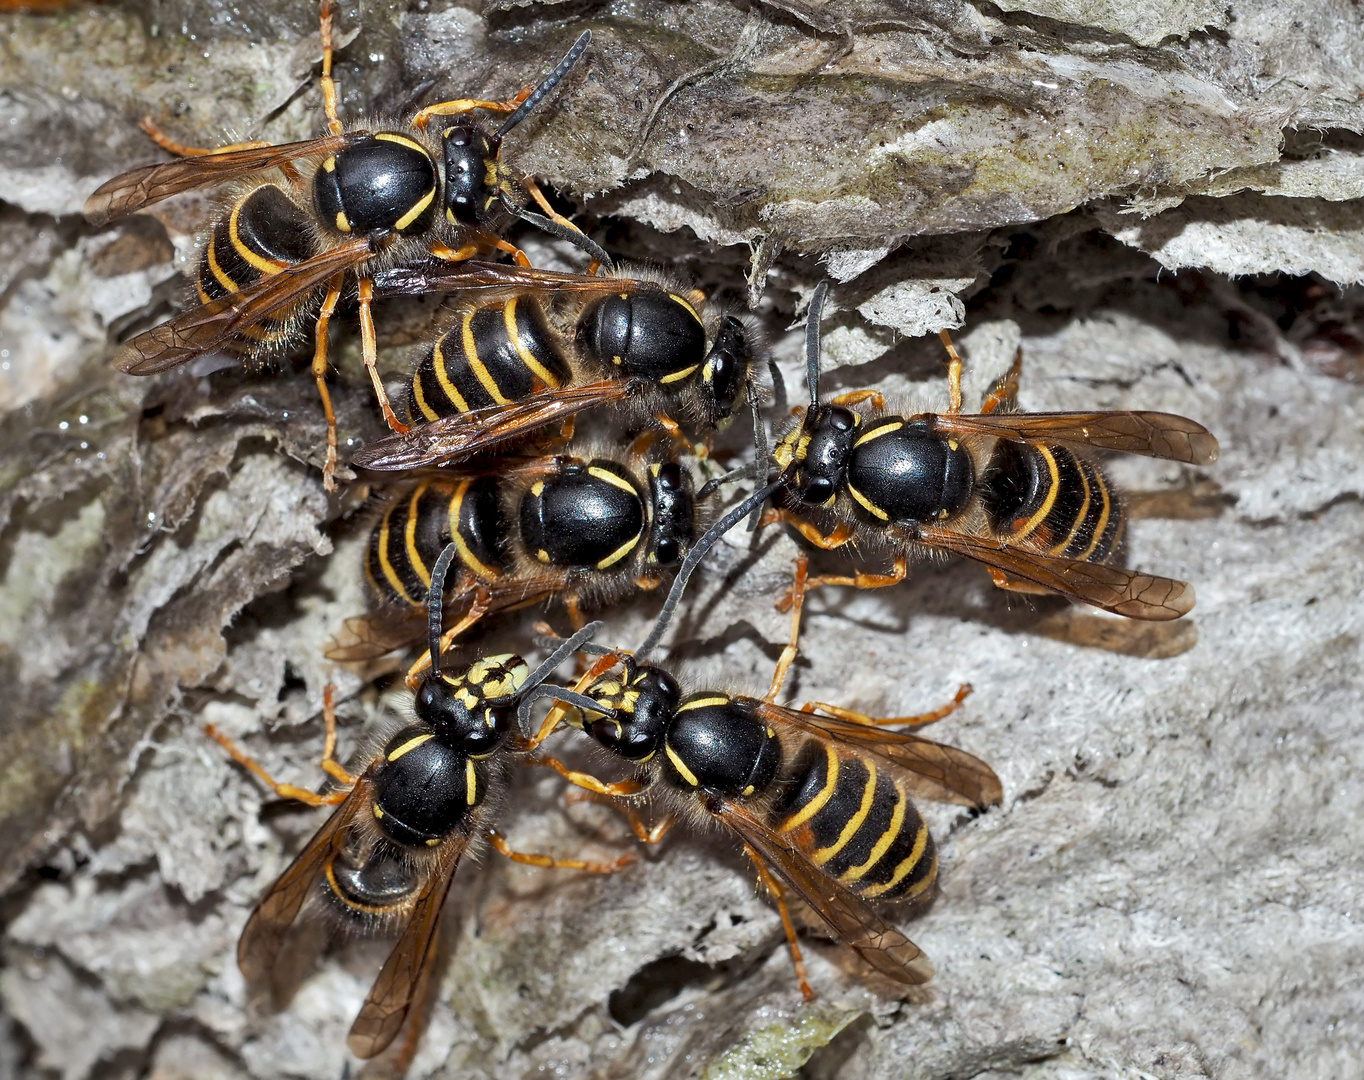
x=390, y=998
x=853, y=921
x=265, y=930
x=1123, y=592
x=207, y=326
x=937, y=772
x=147, y=184
x=1154, y=434
x=462, y=435
x=483, y=277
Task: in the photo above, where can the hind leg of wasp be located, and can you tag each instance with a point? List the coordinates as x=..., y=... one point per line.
x=320, y=375
x=457, y=106
x=891, y=721
x=179, y=149
x=501, y=846
x=329, y=764
x=476, y=611
x=334, y=125
x=369, y=346
x=1004, y=393
x=449, y=254
x=617, y=790
x=647, y=834
x=859, y=580
x=834, y=540
x=1018, y=585
x=775, y=892
x=788, y=654
x=953, y=374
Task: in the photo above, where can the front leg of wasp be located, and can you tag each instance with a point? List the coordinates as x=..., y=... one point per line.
x=1004, y=393
x=369, y=345
x=859, y=580
x=500, y=845
x=788, y=654
x=476, y=611
x=329, y=764
x=458, y=106
x=953, y=374
x=890, y=721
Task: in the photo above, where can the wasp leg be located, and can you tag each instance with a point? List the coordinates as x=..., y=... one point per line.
x=774, y=891
x=836, y=539
x=555, y=716
x=169, y=145
x=328, y=83
x=449, y=254
x=370, y=349
x=500, y=845
x=648, y=834
x=891, y=721
x=1004, y=393
x=618, y=789
x=862, y=580
x=476, y=611
x=953, y=374
x=788, y=654
x=463, y=105
x=856, y=397
x=533, y=190
x=329, y=764
x=320, y=374
x=1004, y=581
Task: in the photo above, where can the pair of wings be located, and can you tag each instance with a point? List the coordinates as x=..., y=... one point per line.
x=390, y=999
x=929, y=769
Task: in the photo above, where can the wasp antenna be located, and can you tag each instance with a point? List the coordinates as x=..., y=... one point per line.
x=812, y=340
x=547, y=84
x=435, y=604
x=559, y=655
x=559, y=694
x=759, y=448
x=579, y=240
x=693, y=560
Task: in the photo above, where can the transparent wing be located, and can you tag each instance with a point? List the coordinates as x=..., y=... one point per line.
x=1154, y=434
x=937, y=772
x=148, y=184
x=482, y=278
x=210, y=325
x=853, y=921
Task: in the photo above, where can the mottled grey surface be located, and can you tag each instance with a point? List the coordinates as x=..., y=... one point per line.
x=1169, y=888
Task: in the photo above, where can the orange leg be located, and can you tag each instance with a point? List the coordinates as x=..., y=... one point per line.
x=369, y=347
x=788, y=654
x=330, y=765
x=168, y=144
x=953, y=374
x=891, y=721
x=618, y=789
x=328, y=83
x=320, y=374
x=856, y=397
x=862, y=580
x=1004, y=393
x=464, y=105
x=476, y=611
x=1018, y=585
x=500, y=845
x=774, y=891
x=448, y=254
x=648, y=834
x=836, y=539
x=674, y=430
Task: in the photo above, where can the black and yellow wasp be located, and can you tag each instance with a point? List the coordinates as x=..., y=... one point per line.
x=304, y=217
x=1016, y=491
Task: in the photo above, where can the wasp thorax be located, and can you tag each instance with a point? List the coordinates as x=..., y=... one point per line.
x=717, y=743
x=379, y=183
x=822, y=454
x=654, y=334
x=423, y=788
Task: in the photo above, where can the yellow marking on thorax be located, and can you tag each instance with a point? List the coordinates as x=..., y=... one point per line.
x=418, y=209
x=401, y=140
x=877, y=432
x=683, y=771
x=823, y=855
x=447, y=387
x=815, y=805
x=619, y=553
x=260, y=262
x=476, y=365
x=390, y=574
x=703, y=702
x=411, y=744
x=1030, y=526
x=612, y=478
x=678, y=376
x=691, y=310
x=342, y=222
x=414, y=557
x=470, y=781
x=897, y=818
x=866, y=503
x=466, y=555
x=907, y=864
x=527, y=357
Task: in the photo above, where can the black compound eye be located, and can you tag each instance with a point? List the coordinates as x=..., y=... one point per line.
x=817, y=489
x=668, y=551
x=841, y=419
x=460, y=136
x=433, y=703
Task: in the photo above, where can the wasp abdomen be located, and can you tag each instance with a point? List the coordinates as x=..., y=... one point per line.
x=373, y=885
x=857, y=823
x=415, y=529
x=494, y=356
x=1058, y=502
x=588, y=515
x=900, y=471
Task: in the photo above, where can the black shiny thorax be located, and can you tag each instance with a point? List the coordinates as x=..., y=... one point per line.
x=719, y=744
x=424, y=787
x=901, y=471
x=650, y=333
x=586, y=514
x=380, y=183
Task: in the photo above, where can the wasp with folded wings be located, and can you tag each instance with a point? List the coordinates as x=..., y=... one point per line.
x=305, y=217
x=385, y=858
x=532, y=348
x=1016, y=491
x=821, y=798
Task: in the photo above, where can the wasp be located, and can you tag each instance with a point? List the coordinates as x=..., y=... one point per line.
x=1015, y=491
x=821, y=798
x=531, y=348
x=305, y=216
x=589, y=526
x=386, y=857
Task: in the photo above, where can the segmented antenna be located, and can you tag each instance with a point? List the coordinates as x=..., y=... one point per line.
x=559, y=655
x=435, y=605
x=812, y=340
x=579, y=240
x=547, y=84
x=693, y=560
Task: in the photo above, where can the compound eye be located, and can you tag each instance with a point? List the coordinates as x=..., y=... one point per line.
x=841, y=419
x=667, y=552
x=817, y=489
x=670, y=477
x=459, y=136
